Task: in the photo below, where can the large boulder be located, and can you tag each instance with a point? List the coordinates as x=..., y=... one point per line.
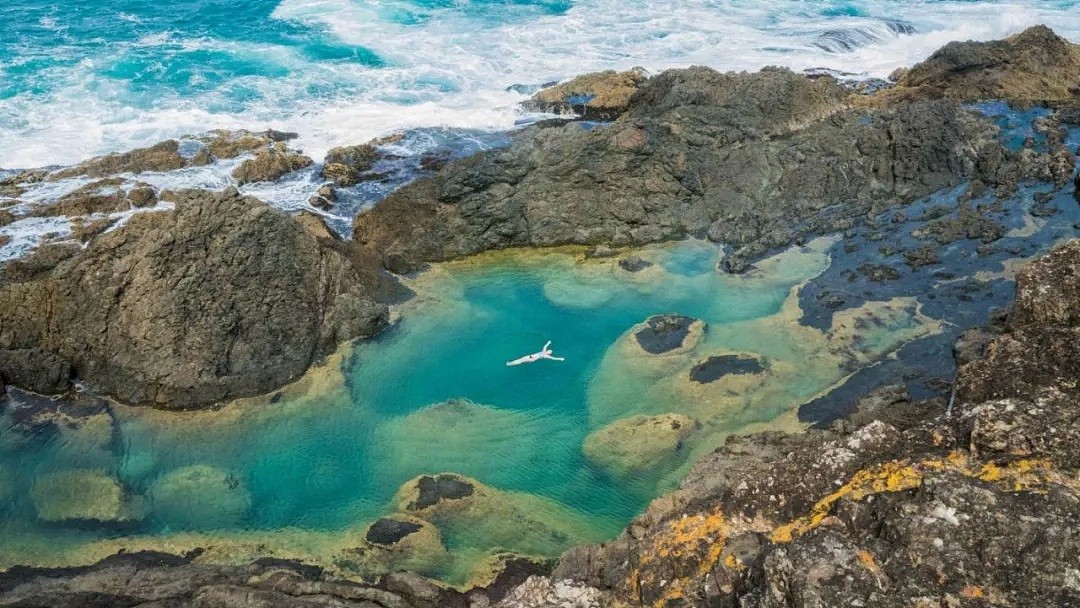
x=638, y=445
x=221, y=297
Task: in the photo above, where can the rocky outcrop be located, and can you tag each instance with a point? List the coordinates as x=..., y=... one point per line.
x=219, y=298
x=598, y=96
x=968, y=503
x=270, y=164
x=164, y=156
x=109, y=195
x=349, y=165
x=756, y=161
x=159, y=579
x=1034, y=66
x=1040, y=345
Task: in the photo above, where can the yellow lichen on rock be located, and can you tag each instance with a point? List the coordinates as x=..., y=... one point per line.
x=900, y=475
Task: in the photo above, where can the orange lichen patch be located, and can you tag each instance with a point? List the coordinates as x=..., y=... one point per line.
x=900, y=475
x=867, y=559
x=691, y=545
x=972, y=591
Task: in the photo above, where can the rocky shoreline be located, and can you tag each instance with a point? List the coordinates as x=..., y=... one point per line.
x=216, y=296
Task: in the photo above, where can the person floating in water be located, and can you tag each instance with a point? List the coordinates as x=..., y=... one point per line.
x=545, y=353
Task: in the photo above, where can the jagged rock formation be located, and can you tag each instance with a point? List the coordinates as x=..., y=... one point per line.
x=1034, y=66
x=158, y=579
x=220, y=298
x=757, y=161
x=977, y=505
x=598, y=96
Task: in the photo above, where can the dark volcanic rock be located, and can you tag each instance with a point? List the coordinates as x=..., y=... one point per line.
x=1041, y=343
x=438, y=488
x=1033, y=66
x=160, y=580
x=220, y=298
x=923, y=256
x=664, y=333
x=634, y=264
x=387, y=531
x=36, y=370
x=718, y=366
x=755, y=161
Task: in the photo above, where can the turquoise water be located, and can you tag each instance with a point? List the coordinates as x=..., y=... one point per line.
x=326, y=457
x=79, y=78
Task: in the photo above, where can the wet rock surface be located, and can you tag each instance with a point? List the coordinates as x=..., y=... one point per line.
x=270, y=164
x=599, y=96
x=664, y=333
x=901, y=504
x=718, y=366
x=432, y=490
x=388, y=531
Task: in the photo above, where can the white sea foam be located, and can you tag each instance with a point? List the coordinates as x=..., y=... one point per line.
x=451, y=66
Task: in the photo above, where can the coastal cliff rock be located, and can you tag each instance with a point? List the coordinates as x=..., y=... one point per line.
x=220, y=298
x=976, y=504
x=756, y=161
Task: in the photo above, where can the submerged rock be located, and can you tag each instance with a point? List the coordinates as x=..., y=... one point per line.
x=201, y=497
x=80, y=495
x=388, y=531
x=666, y=333
x=634, y=264
x=597, y=96
x=131, y=315
x=638, y=444
x=479, y=516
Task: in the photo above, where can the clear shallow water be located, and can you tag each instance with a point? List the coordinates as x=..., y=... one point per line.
x=326, y=458
x=84, y=78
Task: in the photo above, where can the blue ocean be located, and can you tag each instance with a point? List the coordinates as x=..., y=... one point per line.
x=84, y=77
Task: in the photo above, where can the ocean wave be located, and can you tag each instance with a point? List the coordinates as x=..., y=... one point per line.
x=343, y=71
